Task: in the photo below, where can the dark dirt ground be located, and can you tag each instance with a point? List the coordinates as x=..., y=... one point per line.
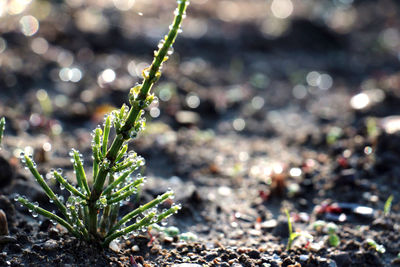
x=258, y=114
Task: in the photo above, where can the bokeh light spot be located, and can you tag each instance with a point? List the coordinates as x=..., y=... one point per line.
x=29, y=25
x=282, y=9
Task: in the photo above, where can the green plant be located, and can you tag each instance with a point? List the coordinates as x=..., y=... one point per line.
x=91, y=212
x=333, y=238
x=379, y=248
x=2, y=127
x=388, y=205
x=294, y=235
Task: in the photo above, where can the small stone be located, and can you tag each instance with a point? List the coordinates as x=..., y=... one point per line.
x=114, y=246
x=155, y=249
x=342, y=259
x=50, y=245
x=54, y=233
x=224, y=191
x=254, y=254
x=135, y=248
x=8, y=208
x=168, y=239
x=382, y=223
x=304, y=258
x=210, y=256
x=269, y=225
x=3, y=223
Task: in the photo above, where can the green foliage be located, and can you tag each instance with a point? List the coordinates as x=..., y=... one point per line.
x=294, y=235
x=2, y=128
x=333, y=238
x=388, y=206
x=376, y=246
x=91, y=212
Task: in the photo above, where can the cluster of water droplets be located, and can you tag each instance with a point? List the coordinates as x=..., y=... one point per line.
x=72, y=152
x=119, y=117
x=23, y=159
x=101, y=202
x=106, y=163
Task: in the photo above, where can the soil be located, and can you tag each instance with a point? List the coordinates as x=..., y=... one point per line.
x=258, y=115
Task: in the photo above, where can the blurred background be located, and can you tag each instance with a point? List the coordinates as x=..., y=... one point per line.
x=71, y=61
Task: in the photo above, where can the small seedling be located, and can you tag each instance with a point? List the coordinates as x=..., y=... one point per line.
x=376, y=246
x=91, y=212
x=293, y=235
x=388, y=206
x=331, y=229
x=2, y=128
x=333, y=238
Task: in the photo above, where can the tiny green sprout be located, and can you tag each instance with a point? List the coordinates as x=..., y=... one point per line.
x=91, y=211
x=388, y=206
x=379, y=248
x=188, y=236
x=2, y=128
x=171, y=231
x=294, y=235
x=333, y=238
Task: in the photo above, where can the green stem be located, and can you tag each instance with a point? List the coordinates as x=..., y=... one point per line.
x=107, y=126
x=79, y=223
x=119, y=180
x=68, y=186
x=29, y=163
x=134, y=184
x=113, y=215
x=141, y=209
x=142, y=223
x=49, y=215
x=106, y=213
x=123, y=133
x=80, y=173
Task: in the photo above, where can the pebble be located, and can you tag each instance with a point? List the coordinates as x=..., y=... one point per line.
x=304, y=257
x=254, y=254
x=50, y=245
x=224, y=191
x=210, y=256
x=54, y=233
x=3, y=223
x=8, y=208
x=114, y=246
x=382, y=223
x=269, y=225
x=135, y=248
x=342, y=259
